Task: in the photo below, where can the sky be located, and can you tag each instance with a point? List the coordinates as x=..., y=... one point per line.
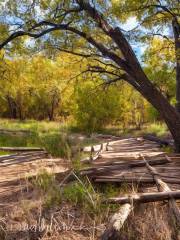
x=128, y=26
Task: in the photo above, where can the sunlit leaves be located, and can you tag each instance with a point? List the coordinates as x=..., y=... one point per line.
x=160, y=67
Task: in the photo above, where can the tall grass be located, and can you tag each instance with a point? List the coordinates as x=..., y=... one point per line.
x=158, y=129
x=50, y=135
x=59, y=139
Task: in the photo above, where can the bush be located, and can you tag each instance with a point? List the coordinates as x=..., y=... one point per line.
x=96, y=109
x=56, y=144
x=153, y=114
x=159, y=129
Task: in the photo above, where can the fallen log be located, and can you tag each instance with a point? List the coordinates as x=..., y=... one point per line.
x=116, y=222
x=161, y=142
x=145, y=197
x=163, y=187
x=131, y=180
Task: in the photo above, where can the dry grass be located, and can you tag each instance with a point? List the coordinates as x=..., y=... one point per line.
x=30, y=219
x=147, y=222
x=150, y=221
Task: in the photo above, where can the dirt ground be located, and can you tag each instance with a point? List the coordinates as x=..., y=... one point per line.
x=23, y=217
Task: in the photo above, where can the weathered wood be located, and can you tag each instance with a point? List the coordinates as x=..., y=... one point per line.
x=96, y=148
x=163, y=187
x=120, y=165
x=162, y=142
x=19, y=161
x=106, y=136
x=133, y=180
x=116, y=222
x=145, y=197
x=22, y=157
x=21, y=149
x=92, y=157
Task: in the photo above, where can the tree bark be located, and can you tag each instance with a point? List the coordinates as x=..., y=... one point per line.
x=176, y=30
x=135, y=74
x=138, y=79
x=12, y=107
x=116, y=222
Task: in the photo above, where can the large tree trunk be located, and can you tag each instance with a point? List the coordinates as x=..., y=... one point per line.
x=176, y=30
x=12, y=107
x=138, y=79
x=53, y=106
x=166, y=110
x=135, y=74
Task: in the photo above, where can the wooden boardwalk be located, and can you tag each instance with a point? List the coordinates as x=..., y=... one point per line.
x=122, y=162
x=152, y=175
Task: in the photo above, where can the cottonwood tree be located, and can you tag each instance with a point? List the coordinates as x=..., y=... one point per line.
x=14, y=87
x=97, y=24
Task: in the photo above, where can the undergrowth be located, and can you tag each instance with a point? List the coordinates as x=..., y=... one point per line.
x=57, y=138
x=80, y=193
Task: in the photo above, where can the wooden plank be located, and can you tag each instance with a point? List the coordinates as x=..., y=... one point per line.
x=22, y=156
x=120, y=165
x=21, y=149
x=145, y=197
x=96, y=148
x=133, y=180
x=92, y=157
x=19, y=161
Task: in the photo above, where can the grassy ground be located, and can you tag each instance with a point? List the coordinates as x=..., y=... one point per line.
x=156, y=128
x=59, y=139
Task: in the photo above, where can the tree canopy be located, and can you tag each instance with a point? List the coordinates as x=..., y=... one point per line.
x=96, y=32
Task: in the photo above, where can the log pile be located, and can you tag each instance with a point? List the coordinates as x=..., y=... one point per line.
x=134, y=171
x=129, y=169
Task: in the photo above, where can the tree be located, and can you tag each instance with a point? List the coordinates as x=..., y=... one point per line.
x=46, y=90
x=105, y=108
x=62, y=21
x=15, y=85
x=159, y=58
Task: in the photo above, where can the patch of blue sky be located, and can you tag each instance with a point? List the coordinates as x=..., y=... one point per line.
x=140, y=48
x=128, y=26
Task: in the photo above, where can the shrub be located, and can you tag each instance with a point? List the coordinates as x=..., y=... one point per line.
x=159, y=129
x=95, y=109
